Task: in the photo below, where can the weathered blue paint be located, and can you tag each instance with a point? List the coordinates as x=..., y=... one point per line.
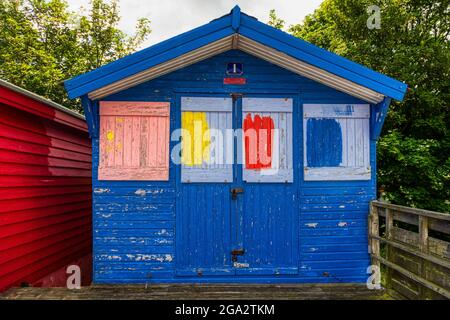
x=235, y=18
x=168, y=231
x=324, y=147
x=378, y=117
x=235, y=22
x=89, y=114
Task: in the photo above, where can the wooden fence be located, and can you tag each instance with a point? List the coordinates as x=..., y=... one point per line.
x=414, y=247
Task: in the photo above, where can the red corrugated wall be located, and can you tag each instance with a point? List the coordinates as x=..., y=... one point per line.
x=45, y=190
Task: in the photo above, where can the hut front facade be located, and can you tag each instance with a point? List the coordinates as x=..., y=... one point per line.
x=233, y=153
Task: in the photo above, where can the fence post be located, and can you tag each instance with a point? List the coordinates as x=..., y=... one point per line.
x=423, y=247
x=389, y=250
x=374, y=230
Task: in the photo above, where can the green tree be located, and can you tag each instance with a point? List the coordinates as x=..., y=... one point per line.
x=274, y=21
x=43, y=43
x=412, y=45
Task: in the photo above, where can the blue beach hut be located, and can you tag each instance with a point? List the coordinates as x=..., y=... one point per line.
x=287, y=203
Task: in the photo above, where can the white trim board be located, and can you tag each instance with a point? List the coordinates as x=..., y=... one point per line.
x=337, y=173
x=249, y=46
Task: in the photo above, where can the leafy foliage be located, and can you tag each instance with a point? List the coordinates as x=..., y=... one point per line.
x=42, y=43
x=274, y=21
x=412, y=45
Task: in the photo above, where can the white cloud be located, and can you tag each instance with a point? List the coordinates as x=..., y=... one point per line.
x=170, y=18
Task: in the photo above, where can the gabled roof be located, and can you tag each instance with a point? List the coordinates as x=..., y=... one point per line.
x=237, y=31
x=39, y=98
x=19, y=98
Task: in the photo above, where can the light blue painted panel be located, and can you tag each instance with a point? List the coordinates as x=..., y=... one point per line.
x=337, y=142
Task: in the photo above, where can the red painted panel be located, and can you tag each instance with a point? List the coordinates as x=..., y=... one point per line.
x=45, y=191
x=234, y=80
x=258, y=142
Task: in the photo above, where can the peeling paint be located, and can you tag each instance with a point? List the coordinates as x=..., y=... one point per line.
x=163, y=241
x=312, y=225
x=141, y=192
x=163, y=232
x=342, y=224
x=150, y=257
x=102, y=190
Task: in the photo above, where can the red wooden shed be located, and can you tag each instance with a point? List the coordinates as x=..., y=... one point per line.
x=45, y=190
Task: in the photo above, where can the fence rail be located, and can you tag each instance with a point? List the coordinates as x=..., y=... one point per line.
x=414, y=246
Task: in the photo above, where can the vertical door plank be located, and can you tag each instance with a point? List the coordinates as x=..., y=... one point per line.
x=127, y=141
x=136, y=142
x=110, y=141
x=359, y=148
x=153, y=148
x=103, y=141
x=118, y=145
x=351, y=147
x=144, y=142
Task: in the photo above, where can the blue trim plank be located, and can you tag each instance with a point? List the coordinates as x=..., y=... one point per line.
x=379, y=116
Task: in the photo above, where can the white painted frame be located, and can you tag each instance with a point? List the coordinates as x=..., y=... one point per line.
x=208, y=173
x=280, y=172
x=351, y=117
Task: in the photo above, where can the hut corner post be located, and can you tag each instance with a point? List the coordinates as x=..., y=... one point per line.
x=423, y=247
x=374, y=232
x=91, y=113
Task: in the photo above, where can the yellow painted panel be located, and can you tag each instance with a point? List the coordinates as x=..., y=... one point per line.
x=196, y=138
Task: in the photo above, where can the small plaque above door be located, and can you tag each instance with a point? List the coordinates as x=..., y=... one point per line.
x=235, y=68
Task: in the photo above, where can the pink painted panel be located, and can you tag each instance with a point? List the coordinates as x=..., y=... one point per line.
x=134, y=141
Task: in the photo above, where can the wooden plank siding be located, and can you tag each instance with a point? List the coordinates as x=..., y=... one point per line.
x=135, y=221
x=45, y=189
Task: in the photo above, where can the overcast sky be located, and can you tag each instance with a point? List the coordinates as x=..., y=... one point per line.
x=170, y=17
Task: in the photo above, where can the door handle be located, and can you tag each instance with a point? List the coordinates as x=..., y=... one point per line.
x=235, y=191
